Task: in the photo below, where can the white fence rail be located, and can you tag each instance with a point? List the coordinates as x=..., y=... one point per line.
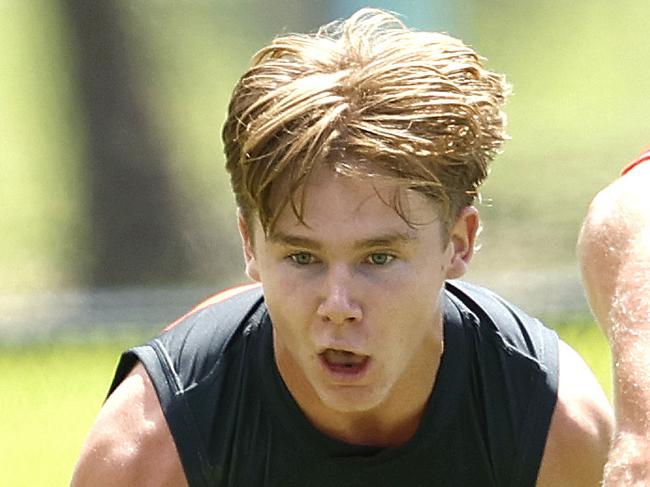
x=81, y=315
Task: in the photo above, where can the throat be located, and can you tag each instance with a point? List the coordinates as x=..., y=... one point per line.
x=371, y=431
x=391, y=422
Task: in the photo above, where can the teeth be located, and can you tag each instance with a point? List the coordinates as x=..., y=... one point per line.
x=342, y=357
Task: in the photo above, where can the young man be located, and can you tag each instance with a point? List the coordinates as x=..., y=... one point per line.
x=614, y=252
x=355, y=155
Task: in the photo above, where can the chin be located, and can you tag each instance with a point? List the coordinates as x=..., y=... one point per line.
x=351, y=399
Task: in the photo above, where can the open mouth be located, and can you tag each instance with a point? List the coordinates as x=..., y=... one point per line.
x=344, y=362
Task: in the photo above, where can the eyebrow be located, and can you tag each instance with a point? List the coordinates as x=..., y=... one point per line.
x=389, y=239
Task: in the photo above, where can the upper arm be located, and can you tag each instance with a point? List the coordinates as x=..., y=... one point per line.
x=130, y=443
x=581, y=428
x=614, y=243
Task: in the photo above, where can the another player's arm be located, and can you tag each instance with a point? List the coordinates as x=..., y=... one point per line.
x=130, y=443
x=614, y=254
x=581, y=428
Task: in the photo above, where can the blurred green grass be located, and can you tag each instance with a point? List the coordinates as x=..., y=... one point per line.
x=50, y=394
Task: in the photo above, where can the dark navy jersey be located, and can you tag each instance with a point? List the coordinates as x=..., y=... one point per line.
x=235, y=423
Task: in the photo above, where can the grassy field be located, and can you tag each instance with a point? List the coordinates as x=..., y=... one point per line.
x=49, y=396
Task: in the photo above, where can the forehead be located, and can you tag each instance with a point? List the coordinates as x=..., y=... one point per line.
x=330, y=201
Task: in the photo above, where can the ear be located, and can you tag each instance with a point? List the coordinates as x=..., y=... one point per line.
x=462, y=238
x=247, y=245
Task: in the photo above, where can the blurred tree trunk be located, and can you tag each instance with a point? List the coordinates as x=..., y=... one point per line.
x=133, y=210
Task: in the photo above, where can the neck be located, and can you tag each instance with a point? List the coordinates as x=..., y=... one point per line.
x=391, y=423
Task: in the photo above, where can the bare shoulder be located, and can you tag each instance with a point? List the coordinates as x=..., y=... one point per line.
x=625, y=195
x=581, y=429
x=130, y=443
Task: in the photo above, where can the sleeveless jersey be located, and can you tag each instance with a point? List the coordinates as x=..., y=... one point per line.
x=235, y=423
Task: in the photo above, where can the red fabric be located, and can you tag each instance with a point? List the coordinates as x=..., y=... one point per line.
x=220, y=296
x=645, y=156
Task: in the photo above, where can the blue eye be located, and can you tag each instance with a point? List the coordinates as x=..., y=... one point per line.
x=380, y=259
x=302, y=258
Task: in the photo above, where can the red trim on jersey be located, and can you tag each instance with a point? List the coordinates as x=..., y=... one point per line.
x=645, y=156
x=216, y=298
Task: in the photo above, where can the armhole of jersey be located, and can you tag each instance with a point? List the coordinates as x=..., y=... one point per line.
x=174, y=411
x=541, y=406
x=532, y=443
x=169, y=389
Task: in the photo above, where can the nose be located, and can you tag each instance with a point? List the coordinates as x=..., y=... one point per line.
x=337, y=301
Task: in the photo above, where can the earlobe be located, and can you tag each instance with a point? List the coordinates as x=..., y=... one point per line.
x=248, y=247
x=462, y=238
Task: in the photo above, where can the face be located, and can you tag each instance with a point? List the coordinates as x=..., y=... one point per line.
x=354, y=295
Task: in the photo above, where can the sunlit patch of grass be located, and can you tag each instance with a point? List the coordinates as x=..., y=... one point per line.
x=49, y=396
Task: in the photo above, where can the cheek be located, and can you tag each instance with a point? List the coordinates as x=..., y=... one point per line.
x=416, y=282
x=290, y=304
x=286, y=288
x=408, y=299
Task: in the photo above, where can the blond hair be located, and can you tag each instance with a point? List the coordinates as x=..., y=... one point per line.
x=369, y=98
